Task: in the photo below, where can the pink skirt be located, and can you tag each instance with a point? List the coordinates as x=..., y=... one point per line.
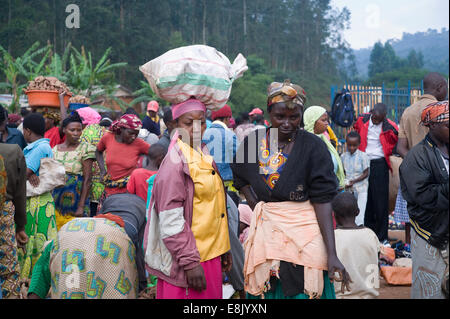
x=213, y=275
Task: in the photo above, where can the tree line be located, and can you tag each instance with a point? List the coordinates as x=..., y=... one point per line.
x=297, y=39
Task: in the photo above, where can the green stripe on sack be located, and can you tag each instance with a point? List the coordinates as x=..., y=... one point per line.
x=194, y=79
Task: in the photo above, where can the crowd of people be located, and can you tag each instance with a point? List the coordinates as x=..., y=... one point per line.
x=188, y=199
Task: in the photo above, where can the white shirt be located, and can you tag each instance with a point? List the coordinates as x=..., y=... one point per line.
x=358, y=249
x=374, y=148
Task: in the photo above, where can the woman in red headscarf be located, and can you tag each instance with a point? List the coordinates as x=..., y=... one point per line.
x=124, y=147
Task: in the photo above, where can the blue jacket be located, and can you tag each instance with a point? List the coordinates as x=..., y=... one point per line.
x=151, y=126
x=222, y=144
x=15, y=137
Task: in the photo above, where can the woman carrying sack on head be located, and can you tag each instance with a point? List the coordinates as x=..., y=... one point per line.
x=72, y=199
x=41, y=222
x=186, y=239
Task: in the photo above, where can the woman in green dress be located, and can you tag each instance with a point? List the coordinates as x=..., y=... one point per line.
x=72, y=199
x=41, y=223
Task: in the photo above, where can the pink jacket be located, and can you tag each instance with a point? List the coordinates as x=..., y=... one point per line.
x=169, y=244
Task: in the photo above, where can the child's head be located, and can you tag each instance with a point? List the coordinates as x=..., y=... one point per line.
x=156, y=154
x=33, y=127
x=345, y=207
x=353, y=140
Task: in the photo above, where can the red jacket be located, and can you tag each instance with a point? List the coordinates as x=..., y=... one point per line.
x=388, y=136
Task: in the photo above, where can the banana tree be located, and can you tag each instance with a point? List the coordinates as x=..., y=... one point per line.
x=58, y=65
x=146, y=94
x=18, y=70
x=83, y=75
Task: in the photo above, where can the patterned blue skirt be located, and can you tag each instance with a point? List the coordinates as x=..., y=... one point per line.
x=401, y=212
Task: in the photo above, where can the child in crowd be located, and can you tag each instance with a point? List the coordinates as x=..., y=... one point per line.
x=356, y=165
x=138, y=183
x=141, y=184
x=357, y=248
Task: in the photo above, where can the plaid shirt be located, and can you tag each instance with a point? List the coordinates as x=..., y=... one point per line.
x=354, y=166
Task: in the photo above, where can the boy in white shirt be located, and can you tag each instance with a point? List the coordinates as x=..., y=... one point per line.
x=357, y=248
x=356, y=165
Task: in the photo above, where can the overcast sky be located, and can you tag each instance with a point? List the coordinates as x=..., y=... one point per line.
x=374, y=20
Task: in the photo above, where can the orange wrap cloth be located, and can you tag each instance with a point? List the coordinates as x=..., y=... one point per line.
x=287, y=231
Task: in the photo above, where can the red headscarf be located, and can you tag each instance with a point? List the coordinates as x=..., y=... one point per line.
x=130, y=121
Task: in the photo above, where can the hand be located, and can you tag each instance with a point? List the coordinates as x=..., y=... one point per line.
x=21, y=238
x=349, y=184
x=227, y=262
x=79, y=212
x=102, y=175
x=196, y=278
x=62, y=95
x=34, y=180
x=334, y=265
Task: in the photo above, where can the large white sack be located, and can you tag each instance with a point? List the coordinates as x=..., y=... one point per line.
x=197, y=70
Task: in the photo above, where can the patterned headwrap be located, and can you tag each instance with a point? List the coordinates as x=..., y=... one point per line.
x=290, y=94
x=130, y=121
x=50, y=113
x=435, y=113
x=13, y=118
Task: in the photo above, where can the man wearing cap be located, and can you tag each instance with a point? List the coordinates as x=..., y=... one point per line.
x=257, y=118
x=222, y=143
x=151, y=120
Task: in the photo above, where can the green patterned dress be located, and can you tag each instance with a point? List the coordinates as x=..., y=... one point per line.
x=92, y=134
x=41, y=227
x=67, y=197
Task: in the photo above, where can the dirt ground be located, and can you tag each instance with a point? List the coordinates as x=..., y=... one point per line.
x=386, y=291
x=389, y=291
x=393, y=292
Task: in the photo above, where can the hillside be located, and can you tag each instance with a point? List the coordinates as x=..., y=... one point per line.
x=433, y=44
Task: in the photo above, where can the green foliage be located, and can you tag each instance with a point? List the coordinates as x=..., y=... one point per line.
x=75, y=68
x=401, y=76
x=386, y=67
x=297, y=39
x=83, y=75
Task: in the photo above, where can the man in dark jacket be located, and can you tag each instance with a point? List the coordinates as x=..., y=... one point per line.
x=379, y=136
x=425, y=186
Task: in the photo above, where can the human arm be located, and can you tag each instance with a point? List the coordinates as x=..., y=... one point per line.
x=324, y=218
x=101, y=164
x=250, y=196
x=19, y=199
x=418, y=184
x=322, y=188
x=87, y=160
x=360, y=178
x=169, y=204
x=63, y=111
x=101, y=147
x=402, y=146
